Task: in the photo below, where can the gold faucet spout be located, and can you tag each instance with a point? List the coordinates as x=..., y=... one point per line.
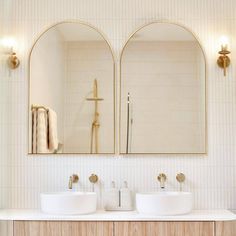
x=162, y=179
x=73, y=179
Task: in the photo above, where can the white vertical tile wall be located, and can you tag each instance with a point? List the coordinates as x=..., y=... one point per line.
x=211, y=177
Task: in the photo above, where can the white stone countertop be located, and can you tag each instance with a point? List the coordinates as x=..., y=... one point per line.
x=195, y=215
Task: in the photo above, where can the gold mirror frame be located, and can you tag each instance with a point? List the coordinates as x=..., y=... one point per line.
x=120, y=82
x=114, y=86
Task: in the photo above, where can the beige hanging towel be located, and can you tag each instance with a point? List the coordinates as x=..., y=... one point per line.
x=52, y=132
x=44, y=131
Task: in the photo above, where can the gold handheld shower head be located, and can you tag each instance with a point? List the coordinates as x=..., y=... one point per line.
x=95, y=97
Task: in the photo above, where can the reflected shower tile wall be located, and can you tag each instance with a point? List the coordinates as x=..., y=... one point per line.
x=211, y=177
x=87, y=61
x=155, y=74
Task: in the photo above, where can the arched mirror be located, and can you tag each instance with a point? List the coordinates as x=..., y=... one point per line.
x=163, y=92
x=71, y=102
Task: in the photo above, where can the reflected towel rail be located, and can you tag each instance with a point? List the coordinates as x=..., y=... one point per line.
x=36, y=107
x=39, y=107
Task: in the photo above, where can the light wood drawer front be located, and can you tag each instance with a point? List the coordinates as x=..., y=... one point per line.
x=225, y=228
x=164, y=228
x=52, y=228
x=6, y=228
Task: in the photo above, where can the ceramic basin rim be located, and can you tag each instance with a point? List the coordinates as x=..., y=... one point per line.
x=68, y=194
x=163, y=194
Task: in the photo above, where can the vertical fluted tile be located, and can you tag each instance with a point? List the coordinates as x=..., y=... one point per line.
x=211, y=177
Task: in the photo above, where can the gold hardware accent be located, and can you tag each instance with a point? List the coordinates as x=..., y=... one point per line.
x=13, y=61
x=180, y=177
x=162, y=179
x=73, y=179
x=161, y=176
x=223, y=60
x=95, y=124
x=93, y=178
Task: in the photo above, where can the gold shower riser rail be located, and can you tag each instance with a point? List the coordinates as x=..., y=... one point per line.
x=35, y=107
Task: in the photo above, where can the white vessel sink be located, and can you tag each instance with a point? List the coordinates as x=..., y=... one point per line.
x=69, y=203
x=164, y=203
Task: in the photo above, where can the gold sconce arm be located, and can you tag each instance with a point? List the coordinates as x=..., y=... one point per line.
x=223, y=60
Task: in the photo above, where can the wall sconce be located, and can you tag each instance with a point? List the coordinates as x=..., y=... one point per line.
x=223, y=60
x=12, y=60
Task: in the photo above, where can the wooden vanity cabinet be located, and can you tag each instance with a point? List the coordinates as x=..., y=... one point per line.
x=128, y=228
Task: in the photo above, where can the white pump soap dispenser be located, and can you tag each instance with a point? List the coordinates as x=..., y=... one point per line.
x=118, y=200
x=126, y=198
x=112, y=197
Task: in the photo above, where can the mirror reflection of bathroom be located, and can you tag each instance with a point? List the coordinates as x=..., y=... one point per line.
x=163, y=92
x=71, y=104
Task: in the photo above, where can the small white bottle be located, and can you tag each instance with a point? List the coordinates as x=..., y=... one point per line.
x=112, y=198
x=126, y=197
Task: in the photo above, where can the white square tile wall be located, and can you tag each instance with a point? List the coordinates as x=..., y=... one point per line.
x=211, y=178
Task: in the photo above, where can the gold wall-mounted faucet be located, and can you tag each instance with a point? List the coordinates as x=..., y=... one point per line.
x=162, y=179
x=73, y=179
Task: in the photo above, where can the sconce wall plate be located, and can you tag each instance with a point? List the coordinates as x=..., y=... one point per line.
x=13, y=61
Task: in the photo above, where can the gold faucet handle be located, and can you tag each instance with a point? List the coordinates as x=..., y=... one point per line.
x=74, y=178
x=161, y=177
x=180, y=177
x=93, y=178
